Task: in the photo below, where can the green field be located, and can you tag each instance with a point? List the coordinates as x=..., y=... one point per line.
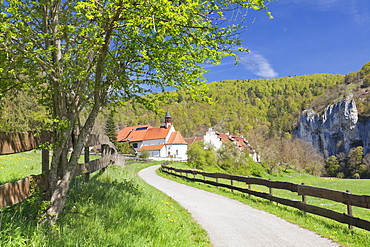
x=338, y=232
x=116, y=208
x=17, y=166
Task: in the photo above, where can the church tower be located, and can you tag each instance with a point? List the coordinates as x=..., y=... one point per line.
x=168, y=120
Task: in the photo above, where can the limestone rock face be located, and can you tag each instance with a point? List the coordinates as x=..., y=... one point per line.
x=337, y=130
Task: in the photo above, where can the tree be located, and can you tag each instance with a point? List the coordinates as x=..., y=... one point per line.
x=332, y=167
x=125, y=148
x=354, y=164
x=230, y=158
x=201, y=158
x=110, y=128
x=81, y=55
x=365, y=71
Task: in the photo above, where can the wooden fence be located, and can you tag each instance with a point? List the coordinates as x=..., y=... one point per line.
x=12, y=193
x=303, y=190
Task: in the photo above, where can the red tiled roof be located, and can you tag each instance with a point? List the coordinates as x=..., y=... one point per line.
x=141, y=133
x=223, y=137
x=156, y=133
x=123, y=135
x=238, y=140
x=176, y=138
x=151, y=148
x=191, y=140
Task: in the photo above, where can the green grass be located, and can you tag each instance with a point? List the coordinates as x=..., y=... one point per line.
x=14, y=167
x=338, y=232
x=17, y=166
x=115, y=208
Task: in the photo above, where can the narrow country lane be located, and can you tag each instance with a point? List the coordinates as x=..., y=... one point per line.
x=231, y=223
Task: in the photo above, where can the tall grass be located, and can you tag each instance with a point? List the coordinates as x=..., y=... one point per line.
x=338, y=232
x=115, y=208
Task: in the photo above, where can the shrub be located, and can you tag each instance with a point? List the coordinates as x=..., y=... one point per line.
x=144, y=154
x=340, y=175
x=124, y=148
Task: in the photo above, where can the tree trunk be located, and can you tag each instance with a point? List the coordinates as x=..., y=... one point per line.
x=60, y=184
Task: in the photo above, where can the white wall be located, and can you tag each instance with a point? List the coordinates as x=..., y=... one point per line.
x=177, y=150
x=211, y=138
x=153, y=142
x=139, y=145
x=154, y=153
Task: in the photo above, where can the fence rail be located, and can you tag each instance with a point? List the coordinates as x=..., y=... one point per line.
x=303, y=190
x=12, y=193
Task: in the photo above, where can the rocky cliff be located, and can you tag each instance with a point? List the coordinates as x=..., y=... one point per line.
x=337, y=130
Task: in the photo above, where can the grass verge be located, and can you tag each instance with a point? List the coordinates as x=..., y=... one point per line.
x=115, y=208
x=338, y=232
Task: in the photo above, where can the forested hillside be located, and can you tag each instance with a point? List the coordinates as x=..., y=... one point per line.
x=238, y=106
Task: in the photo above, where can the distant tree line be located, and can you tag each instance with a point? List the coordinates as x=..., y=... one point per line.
x=353, y=165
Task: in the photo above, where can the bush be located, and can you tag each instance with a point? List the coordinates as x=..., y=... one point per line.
x=340, y=175
x=144, y=154
x=256, y=169
x=124, y=148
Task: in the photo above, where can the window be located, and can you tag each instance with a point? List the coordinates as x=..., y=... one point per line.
x=134, y=145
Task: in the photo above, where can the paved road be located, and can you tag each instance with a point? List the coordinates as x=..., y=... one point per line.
x=231, y=223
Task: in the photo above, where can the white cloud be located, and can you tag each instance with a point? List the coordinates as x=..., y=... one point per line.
x=260, y=66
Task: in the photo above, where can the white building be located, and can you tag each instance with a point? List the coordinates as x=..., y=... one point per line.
x=216, y=139
x=161, y=142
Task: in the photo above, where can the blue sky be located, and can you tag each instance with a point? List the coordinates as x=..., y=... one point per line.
x=305, y=37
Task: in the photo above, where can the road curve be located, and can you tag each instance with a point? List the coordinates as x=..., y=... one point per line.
x=231, y=223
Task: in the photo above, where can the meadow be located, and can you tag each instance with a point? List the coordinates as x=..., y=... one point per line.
x=20, y=165
x=338, y=232
x=116, y=208
x=17, y=166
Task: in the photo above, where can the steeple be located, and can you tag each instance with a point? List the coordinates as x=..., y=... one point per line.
x=168, y=120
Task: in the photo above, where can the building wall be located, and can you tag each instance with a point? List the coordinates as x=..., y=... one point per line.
x=136, y=145
x=211, y=138
x=177, y=151
x=154, y=153
x=172, y=129
x=163, y=152
x=153, y=142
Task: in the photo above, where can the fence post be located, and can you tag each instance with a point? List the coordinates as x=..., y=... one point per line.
x=86, y=161
x=249, y=188
x=349, y=210
x=270, y=189
x=45, y=160
x=232, y=183
x=304, y=202
x=104, y=152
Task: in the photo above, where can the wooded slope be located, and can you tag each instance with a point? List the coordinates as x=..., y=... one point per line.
x=272, y=105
